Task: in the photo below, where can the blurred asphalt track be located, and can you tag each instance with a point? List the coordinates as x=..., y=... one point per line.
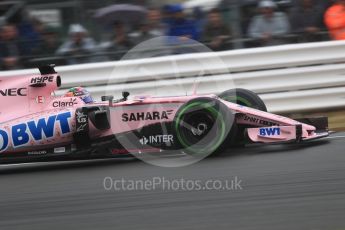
x=284, y=187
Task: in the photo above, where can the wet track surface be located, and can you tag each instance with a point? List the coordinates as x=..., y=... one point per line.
x=283, y=187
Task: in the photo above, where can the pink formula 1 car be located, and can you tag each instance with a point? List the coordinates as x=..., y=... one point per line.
x=35, y=125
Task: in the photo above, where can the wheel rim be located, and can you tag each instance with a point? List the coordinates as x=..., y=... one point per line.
x=203, y=122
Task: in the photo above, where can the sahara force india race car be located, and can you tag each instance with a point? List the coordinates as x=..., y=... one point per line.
x=36, y=126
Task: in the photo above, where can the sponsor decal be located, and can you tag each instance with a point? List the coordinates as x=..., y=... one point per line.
x=259, y=121
x=81, y=120
x=4, y=139
x=37, y=152
x=81, y=127
x=13, y=92
x=60, y=150
x=34, y=131
x=269, y=132
x=62, y=104
x=126, y=151
x=119, y=151
x=146, y=116
x=39, y=80
x=40, y=100
x=157, y=139
x=81, y=117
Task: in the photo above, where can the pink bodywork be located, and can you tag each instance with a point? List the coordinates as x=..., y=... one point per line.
x=34, y=103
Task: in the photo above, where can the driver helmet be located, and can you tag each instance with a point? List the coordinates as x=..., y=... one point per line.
x=81, y=93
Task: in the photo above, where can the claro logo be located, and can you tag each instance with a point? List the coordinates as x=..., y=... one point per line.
x=70, y=103
x=13, y=92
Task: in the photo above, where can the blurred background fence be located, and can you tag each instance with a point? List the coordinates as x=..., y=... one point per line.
x=68, y=32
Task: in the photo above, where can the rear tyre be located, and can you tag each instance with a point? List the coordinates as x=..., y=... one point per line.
x=244, y=97
x=202, y=126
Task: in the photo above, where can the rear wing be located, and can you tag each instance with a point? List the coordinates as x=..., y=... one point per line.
x=26, y=94
x=47, y=69
x=48, y=76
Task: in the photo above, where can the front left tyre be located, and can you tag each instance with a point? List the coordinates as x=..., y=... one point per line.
x=203, y=126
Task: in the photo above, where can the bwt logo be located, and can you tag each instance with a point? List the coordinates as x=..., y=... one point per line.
x=270, y=131
x=36, y=131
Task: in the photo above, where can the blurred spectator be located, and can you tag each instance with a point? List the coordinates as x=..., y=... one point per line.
x=30, y=32
x=200, y=19
x=180, y=26
x=306, y=20
x=153, y=27
x=119, y=42
x=11, y=50
x=217, y=34
x=270, y=25
x=143, y=34
x=154, y=20
x=77, y=46
x=49, y=43
x=322, y=4
x=335, y=20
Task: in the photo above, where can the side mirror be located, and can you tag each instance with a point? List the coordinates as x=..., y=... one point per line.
x=125, y=95
x=108, y=98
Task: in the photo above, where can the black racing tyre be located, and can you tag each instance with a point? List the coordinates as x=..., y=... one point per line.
x=203, y=126
x=247, y=98
x=244, y=97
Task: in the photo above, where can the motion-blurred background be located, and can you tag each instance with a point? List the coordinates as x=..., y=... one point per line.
x=68, y=32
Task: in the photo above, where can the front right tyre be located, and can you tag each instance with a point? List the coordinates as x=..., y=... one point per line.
x=244, y=97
